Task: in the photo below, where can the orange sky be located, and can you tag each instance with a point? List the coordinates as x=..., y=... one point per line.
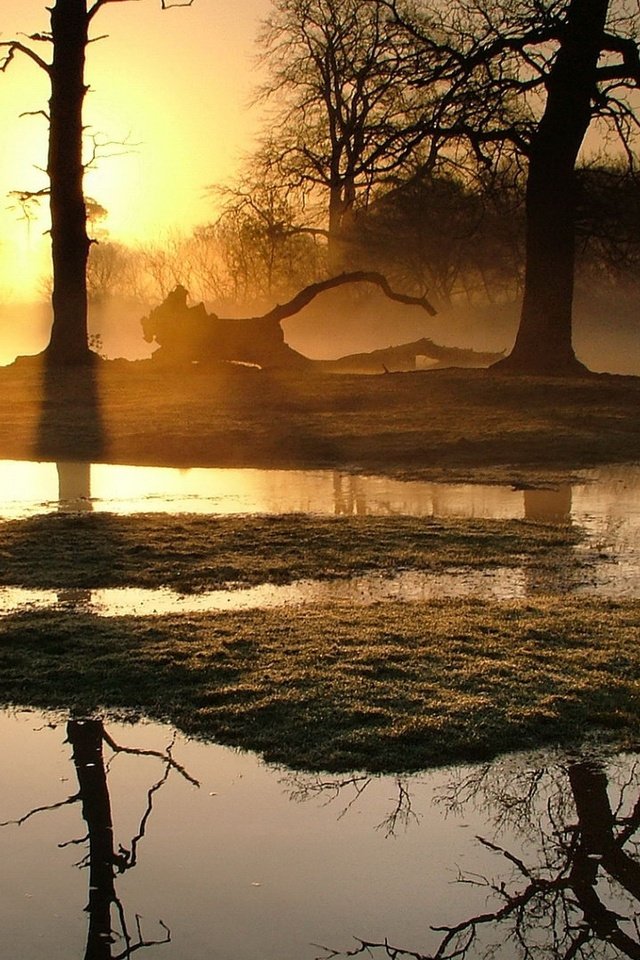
x=175, y=83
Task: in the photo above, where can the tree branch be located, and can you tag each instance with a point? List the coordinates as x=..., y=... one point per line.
x=165, y=4
x=36, y=113
x=52, y=806
x=165, y=757
x=304, y=297
x=14, y=46
x=628, y=49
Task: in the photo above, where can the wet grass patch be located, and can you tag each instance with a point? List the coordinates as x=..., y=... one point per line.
x=197, y=553
x=393, y=687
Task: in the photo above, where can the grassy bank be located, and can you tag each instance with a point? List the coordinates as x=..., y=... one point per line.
x=453, y=423
x=393, y=687
x=195, y=553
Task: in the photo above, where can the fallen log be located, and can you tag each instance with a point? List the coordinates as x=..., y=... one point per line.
x=191, y=334
x=406, y=356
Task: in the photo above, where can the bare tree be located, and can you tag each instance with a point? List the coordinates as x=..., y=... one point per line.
x=578, y=898
x=343, y=118
x=68, y=38
x=267, y=248
x=87, y=738
x=459, y=239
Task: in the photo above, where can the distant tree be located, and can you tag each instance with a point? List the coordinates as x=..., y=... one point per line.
x=608, y=224
x=343, y=118
x=267, y=249
x=68, y=37
x=455, y=238
x=108, y=271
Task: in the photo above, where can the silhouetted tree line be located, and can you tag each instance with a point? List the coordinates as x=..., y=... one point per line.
x=460, y=241
x=442, y=136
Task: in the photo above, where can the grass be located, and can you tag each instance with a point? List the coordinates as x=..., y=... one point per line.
x=458, y=424
x=196, y=553
x=389, y=688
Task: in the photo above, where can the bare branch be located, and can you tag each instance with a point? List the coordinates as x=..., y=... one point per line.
x=13, y=47
x=304, y=297
x=102, y=3
x=52, y=806
x=165, y=757
x=165, y=4
x=628, y=50
x=38, y=37
x=128, y=858
x=106, y=149
x=141, y=943
x=36, y=113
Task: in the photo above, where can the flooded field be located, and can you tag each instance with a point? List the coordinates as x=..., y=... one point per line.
x=29, y=488
x=606, y=505
x=192, y=851
x=122, y=839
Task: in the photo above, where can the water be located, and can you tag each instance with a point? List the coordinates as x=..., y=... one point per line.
x=261, y=862
x=500, y=584
x=28, y=488
x=606, y=505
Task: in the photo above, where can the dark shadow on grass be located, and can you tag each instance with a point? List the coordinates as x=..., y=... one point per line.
x=289, y=687
x=70, y=424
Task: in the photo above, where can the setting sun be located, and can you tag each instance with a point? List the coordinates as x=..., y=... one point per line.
x=167, y=107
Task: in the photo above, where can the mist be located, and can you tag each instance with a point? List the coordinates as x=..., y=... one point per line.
x=605, y=327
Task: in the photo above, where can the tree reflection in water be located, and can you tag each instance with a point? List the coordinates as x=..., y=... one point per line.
x=578, y=900
x=302, y=788
x=87, y=738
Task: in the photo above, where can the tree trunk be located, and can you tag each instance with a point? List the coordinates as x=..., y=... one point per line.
x=85, y=737
x=335, y=252
x=544, y=341
x=69, y=241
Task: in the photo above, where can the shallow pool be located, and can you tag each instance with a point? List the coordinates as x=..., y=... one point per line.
x=606, y=505
x=192, y=851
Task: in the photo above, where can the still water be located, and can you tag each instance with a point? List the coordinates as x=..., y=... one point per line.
x=605, y=504
x=28, y=488
x=124, y=838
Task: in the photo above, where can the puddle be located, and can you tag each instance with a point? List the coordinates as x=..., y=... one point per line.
x=606, y=506
x=255, y=861
x=30, y=488
x=504, y=583
x=499, y=584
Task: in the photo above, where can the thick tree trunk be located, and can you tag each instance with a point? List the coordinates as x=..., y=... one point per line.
x=70, y=244
x=544, y=340
x=599, y=851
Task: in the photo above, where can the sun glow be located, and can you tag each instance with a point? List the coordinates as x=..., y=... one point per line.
x=167, y=109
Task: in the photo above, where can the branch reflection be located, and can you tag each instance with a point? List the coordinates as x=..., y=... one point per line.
x=106, y=939
x=574, y=893
x=303, y=788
